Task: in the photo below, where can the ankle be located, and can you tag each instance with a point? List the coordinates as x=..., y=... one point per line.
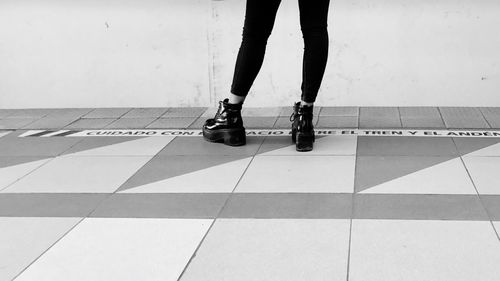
x=234, y=99
x=303, y=103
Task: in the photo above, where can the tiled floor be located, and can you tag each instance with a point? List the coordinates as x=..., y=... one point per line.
x=180, y=208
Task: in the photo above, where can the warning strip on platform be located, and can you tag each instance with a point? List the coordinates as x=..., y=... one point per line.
x=263, y=132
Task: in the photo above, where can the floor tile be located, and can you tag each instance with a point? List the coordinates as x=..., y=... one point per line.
x=12, y=145
x=405, y=146
x=107, y=113
x=379, y=117
x=119, y=146
x=492, y=115
x=337, y=122
x=130, y=123
x=19, y=246
x=34, y=113
x=48, y=204
x=184, y=112
x=199, y=146
x=146, y=112
x=329, y=174
x=463, y=117
x=198, y=123
x=423, y=250
x=325, y=145
x=4, y=133
x=258, y=122
x=422, y=122
x=492, y=205
x=419, y=207
x=339, y=111
x=172, y=123
x=188, y=173
x=50, y=123
x=478, y=146
x=288, y=206
x=284, y=122
x=13, y=168
x=66, y=113
x=420, y=112
x=272, y=250
x=121, y=249
x=15, y=123
x=5, y=112
x=413, y=175
x=260, y=111
x=90, y=123
x=162, y=205
x=484, y=173
x=80, y=174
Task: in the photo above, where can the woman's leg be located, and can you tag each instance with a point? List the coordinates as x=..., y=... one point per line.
x=259, y=21
x=313, y=22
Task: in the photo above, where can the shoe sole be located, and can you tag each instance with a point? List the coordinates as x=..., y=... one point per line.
x=231, y=137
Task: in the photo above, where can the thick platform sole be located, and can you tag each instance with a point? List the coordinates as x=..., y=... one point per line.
x=304, y=142
x=232, y=137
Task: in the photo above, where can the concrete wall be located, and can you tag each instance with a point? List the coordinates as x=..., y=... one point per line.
x=135, y=53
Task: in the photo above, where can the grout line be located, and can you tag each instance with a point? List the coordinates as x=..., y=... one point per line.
x=399, y=116
x=46, y=250
x=352, y=211
x=484, y=117
x=442, y=118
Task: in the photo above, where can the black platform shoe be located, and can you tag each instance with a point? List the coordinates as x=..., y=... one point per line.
x=226, y=126
x=302, y=127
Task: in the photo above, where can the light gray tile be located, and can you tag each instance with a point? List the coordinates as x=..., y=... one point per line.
x=15, y=123
x=184, y=112
x=48, y=204
x=463, y=118
x=288, y=205
x=339, y=111
x=50, y=123
x=196, y=205
x=130, y=123
x=111, y=112
x=418, y=207
x=90, y=123
x=33, y=113
x=148, y=112
x=12, y=145
x=172, y=123
x=401, y=146
x=337, y=122
x=468, y=145
x=492, y=115
x=5, y=112
x=199, y=146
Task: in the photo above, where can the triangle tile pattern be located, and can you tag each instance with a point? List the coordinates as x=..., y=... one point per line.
x=373, y=170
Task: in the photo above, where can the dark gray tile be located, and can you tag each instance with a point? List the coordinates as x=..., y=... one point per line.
x=374, y=170
x=171, y=205
x=106, y=113
x=401, y=146
x=420, y=112
x=339, y=111
x=12, y=145
x=492, y=205
x=34, y=113
x=48, y=204
x=419, y=207
x=492, y=115
x=463, y=118
x=184, y=112
x=337, y=122
x=172, y=123
x=130, y=123
x=199, y=146
x=468, y=145
x=50, y=123
x=379, y=117
x=288, y=205
x=90, y=123
x=148, y=112
x=15, y=123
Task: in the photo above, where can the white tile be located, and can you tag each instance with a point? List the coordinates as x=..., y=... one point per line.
x=80, y=174
x=223, y=178
x=12, y=173
x=327, y=145
x=333, y=174
x=449, y=177
x=484, y=172
x=22, y=240
x=139, y=147
x=492, y=150
x=247, y=249
x=398, y=250
x=121, y=249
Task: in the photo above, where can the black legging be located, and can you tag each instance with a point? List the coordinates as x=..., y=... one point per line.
x=259, y=22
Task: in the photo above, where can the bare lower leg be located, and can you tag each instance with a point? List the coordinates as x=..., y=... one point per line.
x=234, y=99
x=306, y=103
